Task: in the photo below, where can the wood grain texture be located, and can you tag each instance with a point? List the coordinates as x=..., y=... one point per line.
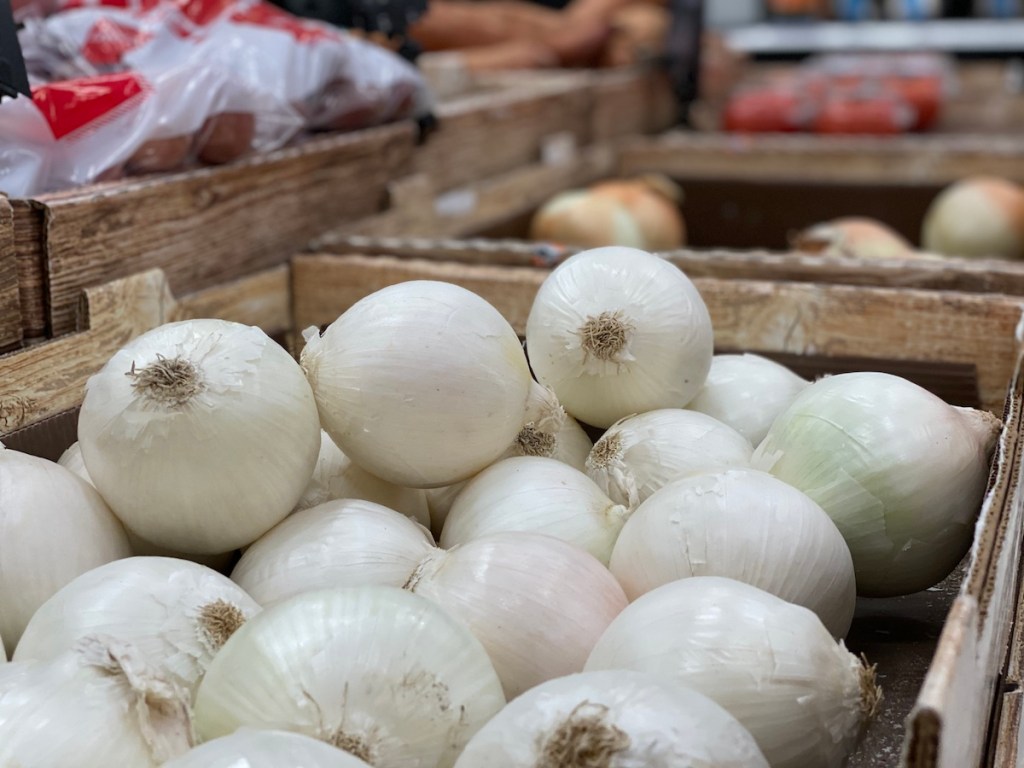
x=940, y=159
x=630, y=102
x=10, y=297
x=48, y=378
x=483, y=135
x=31, y=263
x=827, y=320
x=419, y=208
x=1008, y=752
x=208, y=226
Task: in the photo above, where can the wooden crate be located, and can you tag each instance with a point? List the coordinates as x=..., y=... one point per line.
x=203, y=227
x=940, y=652
x=10, y=297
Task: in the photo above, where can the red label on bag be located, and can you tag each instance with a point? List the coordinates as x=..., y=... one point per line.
x=140, y=6
x=71, y=105
x=266, y=15
x=204, y=12
x=108, y=41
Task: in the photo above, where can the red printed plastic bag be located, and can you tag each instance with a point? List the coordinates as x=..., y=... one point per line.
x=334, y=80
x=94, y=129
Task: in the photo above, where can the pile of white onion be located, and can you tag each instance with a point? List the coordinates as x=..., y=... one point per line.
x=738, y=506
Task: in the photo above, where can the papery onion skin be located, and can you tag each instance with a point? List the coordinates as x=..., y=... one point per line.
x=96, y=706
x=582, y=219
x=900, y=472
x=617, y=331
x=770, y=664
x=621, y=717
x=177, y=614
x=977, y=217
x=536, y=495
x=250, y=748
x=536, y=603
x=548, y=431
x=423, y=383
x=639, y=455
x=72, y=460
x=744, y=525
x=344, y=543
x=653, y=202
x=747, y=392
x=201, y=435
x=854, y=237
x=53, y=527
x=336, y=476
x=382, y=673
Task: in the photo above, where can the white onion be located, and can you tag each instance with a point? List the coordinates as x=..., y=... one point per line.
x=616, y=331
x=900, y=472
x=536, y=603
x=743, y=525
x=250, y=748
x=422, y=384
x=177, y=615
x=336, y=476
x=641, y=454
x=72, y=460
x=201, y=435
x=980, y=216
x=770, y=664
x=53, y=527
x=338, y=544
x=747, y=392
x=536, y=495
x=615, y=718
x=96, y=706
x=376, y=671
x=548, y=431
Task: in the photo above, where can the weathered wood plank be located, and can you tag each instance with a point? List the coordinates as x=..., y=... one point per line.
x=486, y=134
x=46, y=379
x=794, y=318
x=1008, y=752
x=10, y=297
x=936, y=159
x=419, y=208
x=31, y=264
x=208, y=226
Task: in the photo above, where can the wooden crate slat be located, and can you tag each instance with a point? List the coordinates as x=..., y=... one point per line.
x=941, y=159
x=31, y=263
x=10, y=297
x=480, y=136
x=783, y=317
x=212, y=225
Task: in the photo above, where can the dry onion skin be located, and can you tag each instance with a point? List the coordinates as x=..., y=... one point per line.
x=641, y=454
x=96, y=706
x=771, y=664
x=899, y=471
x=747, y=392
x=612, y=718
x=536, y=495
x=856, y=238
x=376, y=671
x=653, y=202
x=977, y=217
x=743, y=525
x=336, y=476
x=422, y=384
x=201, y=435
x=53, y=527
x=175, y=613
x=343, y=543
x=251, y=748
x=617, y=331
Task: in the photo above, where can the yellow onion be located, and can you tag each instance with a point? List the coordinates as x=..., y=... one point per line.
x=854, y=237
x=980, y=217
